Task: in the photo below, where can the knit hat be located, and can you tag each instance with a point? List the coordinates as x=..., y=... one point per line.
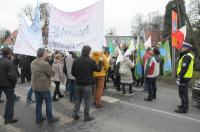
x=187, y=45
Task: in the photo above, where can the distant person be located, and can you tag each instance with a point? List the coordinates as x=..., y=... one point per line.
x=147, y=55
x=184, y=75
x=99, y=77
x=58, y=77
x=24, y=66
x=7, y=84
x=125, y=73
x=82, y=69
x=41, y=83
x=69, y=59
x=151, y=72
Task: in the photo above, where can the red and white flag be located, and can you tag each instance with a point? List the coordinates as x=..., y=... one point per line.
x=180, y=36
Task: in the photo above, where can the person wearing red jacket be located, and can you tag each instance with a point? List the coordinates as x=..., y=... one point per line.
x=152, y=70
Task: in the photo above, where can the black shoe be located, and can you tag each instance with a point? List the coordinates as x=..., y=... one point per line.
x=180, y=107
x=54, y=119
x=76, y=117
x=41, y=120
x=11, y=121
x=17, y=98
x=131, y=92
x=99, y=106
x=124, y=93
x=61, y=96
x=55, y=100
x=28, y=80
x=30, y=101
x=119, y=90
x=153, y=97
x=181, y=111
x=1, y=101
x=89, y=118
x=148, y=99
x=145, y=91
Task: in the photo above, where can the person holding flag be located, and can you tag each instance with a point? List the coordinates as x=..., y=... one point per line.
x=184, y=75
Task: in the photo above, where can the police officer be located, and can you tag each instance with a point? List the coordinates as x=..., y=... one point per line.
x=184, y=75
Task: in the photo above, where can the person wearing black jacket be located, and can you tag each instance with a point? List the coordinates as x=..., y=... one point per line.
x=7, y=84
x=184, y=75
x=82, y=69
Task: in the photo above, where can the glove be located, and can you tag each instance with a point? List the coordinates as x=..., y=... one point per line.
x=178, y=80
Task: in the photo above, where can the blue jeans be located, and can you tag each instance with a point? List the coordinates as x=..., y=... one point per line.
x=40, y=96
x=29, y=95
x=9, y=110
x=66, y=86
x=71, y=87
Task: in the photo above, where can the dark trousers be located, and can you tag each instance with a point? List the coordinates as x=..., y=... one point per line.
x=39, y=97
x=57, y=90
x=0, y=93
x=83, y=92
x=25, y=74
x=124, y=89
x=117, y=82
x=9, y=110
x=183, y=94
x=151, y=87
x=71, y=87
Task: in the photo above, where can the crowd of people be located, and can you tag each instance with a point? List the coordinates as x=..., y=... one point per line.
x=85, y=77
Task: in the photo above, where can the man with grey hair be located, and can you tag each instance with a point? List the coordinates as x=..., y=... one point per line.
x=41, y=83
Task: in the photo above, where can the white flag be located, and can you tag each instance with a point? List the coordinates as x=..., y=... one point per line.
x=130, y=48
x=184, y=31
x=29, y=38
x=148, y=43
x=119, y=57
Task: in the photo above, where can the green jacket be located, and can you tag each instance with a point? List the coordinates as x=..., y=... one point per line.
x=41, y=75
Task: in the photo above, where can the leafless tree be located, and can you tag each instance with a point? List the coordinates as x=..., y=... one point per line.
x=194, y=11
x=137, y=24
x=111, y=32
x=29, y=11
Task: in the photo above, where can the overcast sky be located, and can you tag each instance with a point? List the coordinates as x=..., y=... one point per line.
x=118, y=13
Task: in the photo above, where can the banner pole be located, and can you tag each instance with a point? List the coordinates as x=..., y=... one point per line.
x=173, y=62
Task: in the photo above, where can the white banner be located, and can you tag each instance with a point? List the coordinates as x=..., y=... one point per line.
x=29, y=37
x=71, y=30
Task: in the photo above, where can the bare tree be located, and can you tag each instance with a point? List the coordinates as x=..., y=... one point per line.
x=194, y=11
x=137, y=24
x=111, y=32
x=29, y=11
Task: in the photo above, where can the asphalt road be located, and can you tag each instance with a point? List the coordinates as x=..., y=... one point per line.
x=120, y=114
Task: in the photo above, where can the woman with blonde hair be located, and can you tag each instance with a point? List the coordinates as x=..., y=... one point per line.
x=59, y=76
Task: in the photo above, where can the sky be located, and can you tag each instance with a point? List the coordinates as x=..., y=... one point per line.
x=117, y=13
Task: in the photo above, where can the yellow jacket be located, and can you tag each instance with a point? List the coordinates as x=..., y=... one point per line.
x=96, y=56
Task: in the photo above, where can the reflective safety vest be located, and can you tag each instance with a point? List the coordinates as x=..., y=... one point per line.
x=189, y=72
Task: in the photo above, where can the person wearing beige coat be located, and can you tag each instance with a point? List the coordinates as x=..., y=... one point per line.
x=58, y=77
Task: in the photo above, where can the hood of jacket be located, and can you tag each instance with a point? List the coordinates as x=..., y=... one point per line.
x=96, y=56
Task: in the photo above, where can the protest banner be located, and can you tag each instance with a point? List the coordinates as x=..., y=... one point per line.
x=71, y=30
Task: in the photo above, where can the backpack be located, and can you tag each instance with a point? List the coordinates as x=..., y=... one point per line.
x=122, y=68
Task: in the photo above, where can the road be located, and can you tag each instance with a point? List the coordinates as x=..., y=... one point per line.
x=120, y=114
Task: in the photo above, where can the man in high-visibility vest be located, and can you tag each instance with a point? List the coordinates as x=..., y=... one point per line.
x=184, y=75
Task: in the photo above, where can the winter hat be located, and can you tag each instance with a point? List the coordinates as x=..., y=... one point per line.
x=187, y=45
